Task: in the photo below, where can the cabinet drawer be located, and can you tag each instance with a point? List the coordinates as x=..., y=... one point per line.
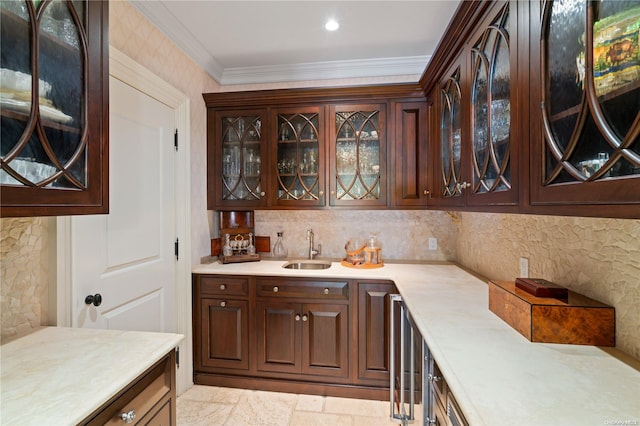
x=141, y=397
x=224, y=286
x=330, y=290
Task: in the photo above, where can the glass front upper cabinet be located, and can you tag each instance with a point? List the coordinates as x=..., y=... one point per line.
x=241, y=158
x=358, y=155
x=49, y=124
x=591, y=98
x=491, y=108
x=300, y=157
x=451, y=136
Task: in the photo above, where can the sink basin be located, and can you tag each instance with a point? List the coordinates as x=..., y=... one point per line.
x=307, y=264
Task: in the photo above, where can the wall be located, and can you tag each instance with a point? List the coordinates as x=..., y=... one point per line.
x=597, y=257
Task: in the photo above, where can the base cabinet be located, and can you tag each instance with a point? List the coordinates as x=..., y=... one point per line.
x=310, y=339
x=148, y=400
x=317, y=336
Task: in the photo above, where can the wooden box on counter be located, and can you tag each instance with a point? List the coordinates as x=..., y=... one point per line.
x=576, y=320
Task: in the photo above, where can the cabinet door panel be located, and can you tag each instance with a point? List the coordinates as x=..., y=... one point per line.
x=373, y=331
x=325, y=340
x=300, y=157
x=410, y=151
x=225, y=328
x=358, y=155
x=54, y=115
x=278, y=337
x=586, y=150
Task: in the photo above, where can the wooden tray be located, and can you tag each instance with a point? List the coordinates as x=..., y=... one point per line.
x=362, y=265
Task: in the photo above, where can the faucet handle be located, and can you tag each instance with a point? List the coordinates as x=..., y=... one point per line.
x=319, y=249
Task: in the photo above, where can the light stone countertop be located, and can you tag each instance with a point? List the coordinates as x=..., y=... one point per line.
x=59, y=376
x=497, y=376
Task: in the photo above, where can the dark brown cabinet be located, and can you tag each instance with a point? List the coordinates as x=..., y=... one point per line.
x=549, y=109
x=373, y=331
x=320, y=336
x=221, y=323
x=411, y=158
x=477, y=161
x=237, y=177
x=54, y=115
x=310, y=339
x=586, y=103
x=302, y=327
x=319, y=148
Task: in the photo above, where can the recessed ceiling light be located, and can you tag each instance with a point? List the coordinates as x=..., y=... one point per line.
x=331, y=25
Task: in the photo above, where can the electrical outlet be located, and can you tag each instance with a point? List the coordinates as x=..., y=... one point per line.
x=524, y=267
x=433, y=244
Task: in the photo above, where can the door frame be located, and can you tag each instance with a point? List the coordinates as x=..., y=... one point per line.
x=132, y=73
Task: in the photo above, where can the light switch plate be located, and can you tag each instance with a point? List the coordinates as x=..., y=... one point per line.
x=433, y=244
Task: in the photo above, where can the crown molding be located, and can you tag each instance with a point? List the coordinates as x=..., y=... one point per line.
x=157, y=13
x=410, y=66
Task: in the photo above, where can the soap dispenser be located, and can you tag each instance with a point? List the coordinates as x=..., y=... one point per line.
x=279, y=250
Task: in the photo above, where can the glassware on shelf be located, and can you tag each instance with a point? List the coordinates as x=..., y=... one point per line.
x=279, y=250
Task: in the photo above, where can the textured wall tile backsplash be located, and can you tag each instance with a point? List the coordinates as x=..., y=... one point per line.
x=23, y=275
x=403, y=234
x=597, y=257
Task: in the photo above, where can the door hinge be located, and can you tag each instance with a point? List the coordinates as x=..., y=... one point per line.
x=176, y=248
x=175, y=140
x=178, y=356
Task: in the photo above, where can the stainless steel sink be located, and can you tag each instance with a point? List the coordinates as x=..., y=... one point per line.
x=307, y=264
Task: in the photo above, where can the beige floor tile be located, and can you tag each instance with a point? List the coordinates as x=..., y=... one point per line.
x=261, y=408
x=309, y=403
x=356, y=407
x=199, y=413
x=213, y=394
x=374, y=421
x=305, y=418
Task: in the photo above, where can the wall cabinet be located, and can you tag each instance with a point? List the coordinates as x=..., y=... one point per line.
x=238, y=151
x=477, y=162
x=292, y=334
x=54, y=115
x=319, y=148
x=411, y=162
x=586, y=102
x=549, y=109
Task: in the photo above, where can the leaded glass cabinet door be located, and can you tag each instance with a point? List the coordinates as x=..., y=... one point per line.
x=452, y=184
x=53, y=98
x=299, y=167
x=240, y=159
x=491, y=116
x=358, y=155
x=589, y=152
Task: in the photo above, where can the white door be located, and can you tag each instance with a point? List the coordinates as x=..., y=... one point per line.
x=127, y=256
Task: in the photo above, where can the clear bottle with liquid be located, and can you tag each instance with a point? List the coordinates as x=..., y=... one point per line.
x=279, y=250
x=372, y=251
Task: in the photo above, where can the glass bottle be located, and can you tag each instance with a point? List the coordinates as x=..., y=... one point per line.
x=279, y=250
x=372, y=251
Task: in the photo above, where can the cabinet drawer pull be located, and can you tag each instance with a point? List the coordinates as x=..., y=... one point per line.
x=305, y=317
x=128, y=416
x=223, y=303
x=262, y=194
x=326, y=291
x=275, y=289
x=297, y=317
x=321, y=193
x=223, y=286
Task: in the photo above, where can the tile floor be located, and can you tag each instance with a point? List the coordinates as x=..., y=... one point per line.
x=208, y=405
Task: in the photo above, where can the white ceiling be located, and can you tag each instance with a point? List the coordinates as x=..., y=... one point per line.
x=243, y=42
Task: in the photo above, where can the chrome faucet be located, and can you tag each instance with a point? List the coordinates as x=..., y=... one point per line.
x=312, y=252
